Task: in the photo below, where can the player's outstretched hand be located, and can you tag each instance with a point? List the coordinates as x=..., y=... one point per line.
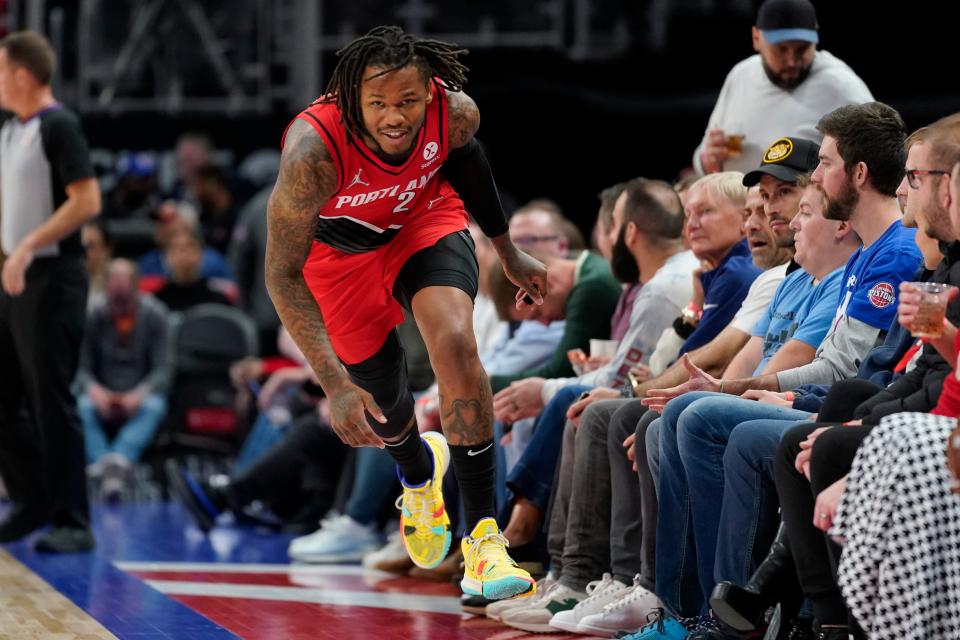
x=347, y=418
x=529, y=274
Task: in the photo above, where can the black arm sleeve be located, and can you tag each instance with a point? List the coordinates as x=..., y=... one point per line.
x=468, y=171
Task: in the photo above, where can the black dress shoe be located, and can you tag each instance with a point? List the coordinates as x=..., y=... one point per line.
x=774, y=581
x=20, y=521
x=65, y=540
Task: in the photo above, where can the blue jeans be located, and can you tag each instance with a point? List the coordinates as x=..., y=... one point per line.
x=532, y=476
x=694, y=431
x=375, y=484
x=134, y=436
x=262, y=437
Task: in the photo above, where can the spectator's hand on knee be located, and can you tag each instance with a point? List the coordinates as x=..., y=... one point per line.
x=630, y=444
x=776, y=398
x=802, y=463
x=578, y=407
x=522, y=399
x=100, y=398
x=243, y=372
x=827, y=502
x=131, y=401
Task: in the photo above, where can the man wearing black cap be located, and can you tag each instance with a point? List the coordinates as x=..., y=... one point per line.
x=694, y=466
x=784, y=89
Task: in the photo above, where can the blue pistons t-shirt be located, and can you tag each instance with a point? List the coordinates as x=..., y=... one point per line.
x=871, y=281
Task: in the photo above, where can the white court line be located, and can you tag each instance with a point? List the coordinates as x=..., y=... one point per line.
x=227, y=567
x=399, y=601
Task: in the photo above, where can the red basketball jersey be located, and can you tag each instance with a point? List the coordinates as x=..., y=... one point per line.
x=379, y=216
x=374, y=200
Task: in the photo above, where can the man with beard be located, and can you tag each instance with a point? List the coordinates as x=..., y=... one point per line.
x=782, y=90
x=861, y=166
x=647, y=247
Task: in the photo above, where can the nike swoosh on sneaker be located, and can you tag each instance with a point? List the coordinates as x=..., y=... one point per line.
x=471, y=452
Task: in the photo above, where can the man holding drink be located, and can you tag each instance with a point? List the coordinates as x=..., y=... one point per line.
x=781, y=91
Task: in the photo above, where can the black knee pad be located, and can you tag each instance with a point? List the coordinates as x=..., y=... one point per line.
x=384, y=376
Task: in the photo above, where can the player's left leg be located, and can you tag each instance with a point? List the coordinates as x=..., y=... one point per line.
x=438, y=285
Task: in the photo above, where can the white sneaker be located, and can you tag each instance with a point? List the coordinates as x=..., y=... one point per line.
x=535, y=617
x=627, y=612
x=600, y=593
x=339, y=539
x=391, y=557
x=495, y=610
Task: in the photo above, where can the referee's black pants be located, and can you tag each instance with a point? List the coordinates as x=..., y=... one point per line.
x=41, y=442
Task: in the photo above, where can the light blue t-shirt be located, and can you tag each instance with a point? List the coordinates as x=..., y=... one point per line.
x=800, y=310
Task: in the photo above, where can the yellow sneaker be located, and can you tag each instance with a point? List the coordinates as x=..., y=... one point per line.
x=424, y=523
x=489, y=571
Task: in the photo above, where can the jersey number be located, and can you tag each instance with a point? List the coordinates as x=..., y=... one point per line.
x=404, y=199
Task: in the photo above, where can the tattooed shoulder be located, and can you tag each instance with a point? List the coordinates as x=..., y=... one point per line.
x=463, y=117
x=308, y=175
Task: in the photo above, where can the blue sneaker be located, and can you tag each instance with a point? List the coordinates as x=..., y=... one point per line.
x=660, y=627
x=666, y=627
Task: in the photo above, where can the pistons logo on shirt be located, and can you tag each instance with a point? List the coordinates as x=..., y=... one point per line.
x=881, y=296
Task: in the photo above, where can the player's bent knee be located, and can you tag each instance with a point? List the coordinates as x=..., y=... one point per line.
x=455, y=350
x=399, y=416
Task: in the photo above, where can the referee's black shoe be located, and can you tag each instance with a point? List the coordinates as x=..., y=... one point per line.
x=65, y=540
x=20, y=521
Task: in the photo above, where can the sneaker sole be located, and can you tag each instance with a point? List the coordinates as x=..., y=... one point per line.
x=503, y=589
x=497, y=614
x=433, y=436
x=563, y=626
x=532, y=627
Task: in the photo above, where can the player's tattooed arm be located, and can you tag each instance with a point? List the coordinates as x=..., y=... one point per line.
x=463, y=117
x=308, y=177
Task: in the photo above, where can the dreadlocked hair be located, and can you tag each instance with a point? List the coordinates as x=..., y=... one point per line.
x=390, y=49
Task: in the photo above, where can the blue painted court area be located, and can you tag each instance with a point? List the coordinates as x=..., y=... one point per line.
x=155, y=532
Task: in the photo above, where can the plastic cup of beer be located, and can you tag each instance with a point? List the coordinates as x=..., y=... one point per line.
x=928, y=323
x=734, y=138
x=734, y=144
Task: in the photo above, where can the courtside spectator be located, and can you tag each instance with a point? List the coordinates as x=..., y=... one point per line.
x=123, y=378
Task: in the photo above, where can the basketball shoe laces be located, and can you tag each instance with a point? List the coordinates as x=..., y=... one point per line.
x=491, y=548
x=418, y=507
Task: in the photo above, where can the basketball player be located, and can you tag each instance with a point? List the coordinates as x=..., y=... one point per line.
x=368, y=217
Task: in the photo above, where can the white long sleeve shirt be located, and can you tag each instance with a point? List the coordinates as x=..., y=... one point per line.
x=763, y=112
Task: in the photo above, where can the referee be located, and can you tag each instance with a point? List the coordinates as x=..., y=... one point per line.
x=47, y=191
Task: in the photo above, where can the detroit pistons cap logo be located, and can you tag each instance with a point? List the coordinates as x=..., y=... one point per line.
x=882, y=296
x=430, y=150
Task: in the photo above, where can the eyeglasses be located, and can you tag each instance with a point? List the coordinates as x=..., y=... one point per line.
x=913, y=175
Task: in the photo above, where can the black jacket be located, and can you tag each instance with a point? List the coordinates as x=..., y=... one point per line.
x=919, y=389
